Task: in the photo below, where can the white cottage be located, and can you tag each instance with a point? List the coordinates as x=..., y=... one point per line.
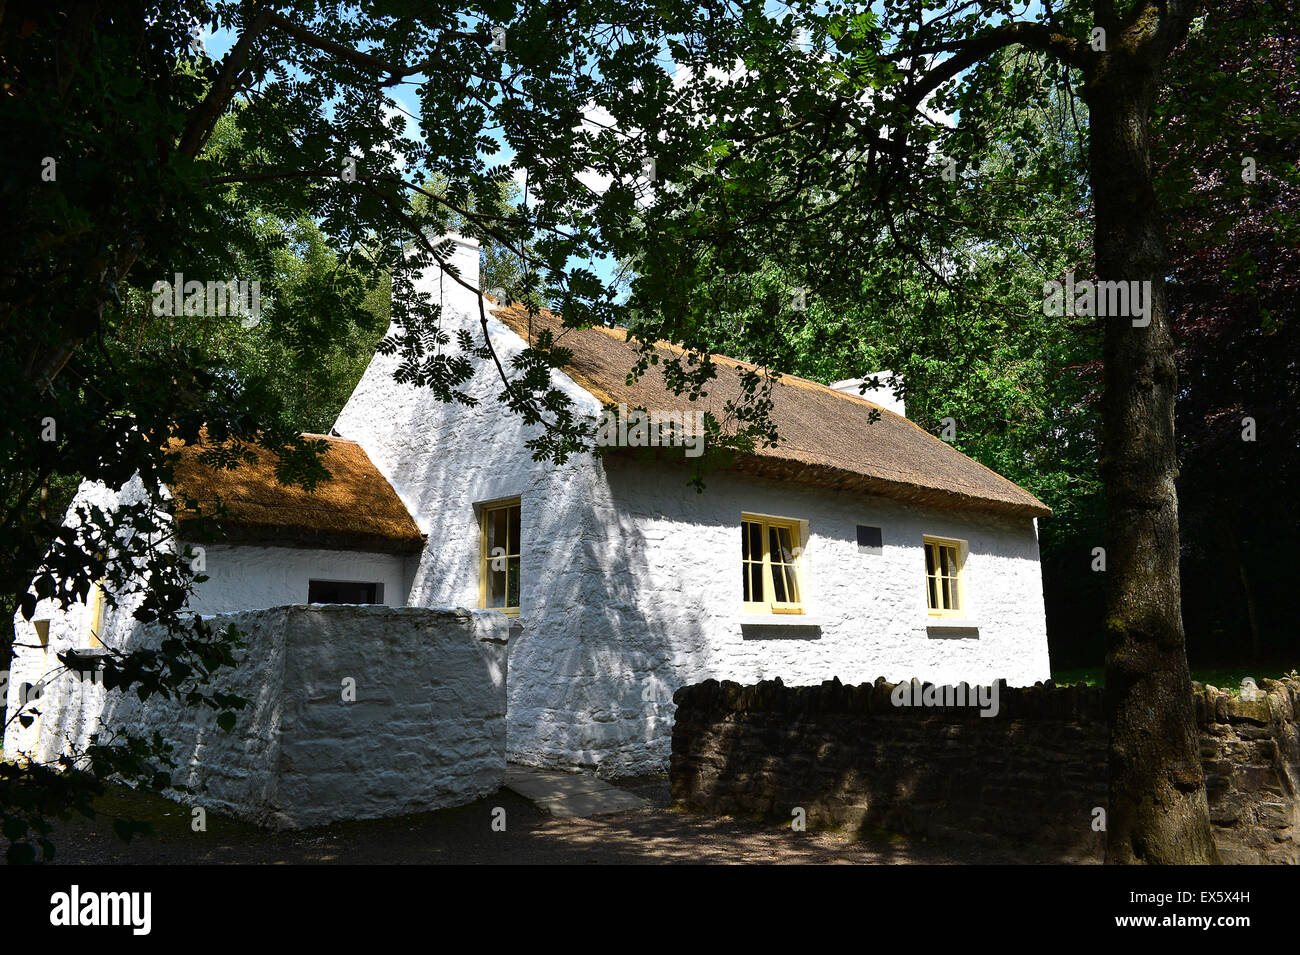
x=853, y=550
x=856, y=549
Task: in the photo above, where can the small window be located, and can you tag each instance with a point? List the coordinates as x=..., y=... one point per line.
x=499, y=557
x=944, y=592
x=769, y=559
x=870, y=540
x=344, y=592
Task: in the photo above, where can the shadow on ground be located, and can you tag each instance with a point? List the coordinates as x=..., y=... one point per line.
x=464, y=835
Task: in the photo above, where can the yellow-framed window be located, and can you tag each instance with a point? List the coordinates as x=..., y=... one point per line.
x=770, y=557
x=499, y=557
x=945, y=591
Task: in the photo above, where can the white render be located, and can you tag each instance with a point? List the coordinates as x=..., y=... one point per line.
x=631, y=582
x=631, y=589
x=883, y=394
x=249, y=576
x=425, y=729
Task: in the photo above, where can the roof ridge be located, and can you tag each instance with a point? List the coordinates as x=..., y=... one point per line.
x=790, y=377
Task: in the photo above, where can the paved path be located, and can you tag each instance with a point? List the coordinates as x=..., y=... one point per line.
x=570, y=795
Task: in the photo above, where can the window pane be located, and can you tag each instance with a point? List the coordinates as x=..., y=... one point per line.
x=787, y=546
x=791, y=584
x=933, y=598
x=756, y=582
x=778, y=584
x=496, y=586
x=746, y=529
x=755, y=541
x=341, y=592
x=744, y=573
x=956, y=602
x=512, y=582
x=512, y=545
x=929, y=559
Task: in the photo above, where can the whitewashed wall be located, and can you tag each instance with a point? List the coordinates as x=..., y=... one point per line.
x=426, y=729
x=246, y=577
x=631, y=580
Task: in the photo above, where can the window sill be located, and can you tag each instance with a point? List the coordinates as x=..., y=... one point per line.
x=779, y=620
x=86, y=660
x=951, y=623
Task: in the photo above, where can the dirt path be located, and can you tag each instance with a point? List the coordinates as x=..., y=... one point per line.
x=465, y=835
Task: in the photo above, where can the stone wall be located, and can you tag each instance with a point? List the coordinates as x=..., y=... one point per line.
x=426, y=727
x=1032, y=775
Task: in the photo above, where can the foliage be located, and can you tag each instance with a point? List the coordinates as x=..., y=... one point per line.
x=1234, y=95
x=815, y=165
x=132, y=155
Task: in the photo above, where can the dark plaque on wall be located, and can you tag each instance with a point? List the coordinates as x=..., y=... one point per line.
x=869, y=540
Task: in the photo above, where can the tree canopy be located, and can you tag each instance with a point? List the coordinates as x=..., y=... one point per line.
x=817, y=186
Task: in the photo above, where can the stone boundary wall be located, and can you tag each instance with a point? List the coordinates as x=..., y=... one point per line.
x=427, y=728
x=1031, y=775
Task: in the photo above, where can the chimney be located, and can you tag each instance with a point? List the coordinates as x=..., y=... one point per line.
x=883, y=395
x=453, y=296
x=465, y=258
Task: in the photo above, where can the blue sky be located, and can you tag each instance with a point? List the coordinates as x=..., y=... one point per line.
x=219, y=42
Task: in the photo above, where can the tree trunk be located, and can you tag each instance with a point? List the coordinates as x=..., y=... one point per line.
x=1157, y=809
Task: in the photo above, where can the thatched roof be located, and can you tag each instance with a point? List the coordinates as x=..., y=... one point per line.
x=826, y=436
x=355, y=509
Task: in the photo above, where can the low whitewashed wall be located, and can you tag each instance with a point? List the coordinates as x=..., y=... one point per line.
x=426, y=729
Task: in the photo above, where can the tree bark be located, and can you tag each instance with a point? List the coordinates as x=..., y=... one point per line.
x=1157, y=806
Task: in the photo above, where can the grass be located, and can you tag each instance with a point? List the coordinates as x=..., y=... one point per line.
x=1226, y=678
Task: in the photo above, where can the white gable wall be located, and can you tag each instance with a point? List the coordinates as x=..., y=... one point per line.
x=631, y=582
x=251, y=577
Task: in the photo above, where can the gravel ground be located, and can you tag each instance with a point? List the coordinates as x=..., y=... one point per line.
x=464, y=835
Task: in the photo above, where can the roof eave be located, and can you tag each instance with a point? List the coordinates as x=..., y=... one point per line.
x=828, y=476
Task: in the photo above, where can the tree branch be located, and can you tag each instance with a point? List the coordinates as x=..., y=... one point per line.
x=396, y=72
x=204, y=119
x=966, y=53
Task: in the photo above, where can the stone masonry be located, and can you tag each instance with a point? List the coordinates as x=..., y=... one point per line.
x=1032, y=775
